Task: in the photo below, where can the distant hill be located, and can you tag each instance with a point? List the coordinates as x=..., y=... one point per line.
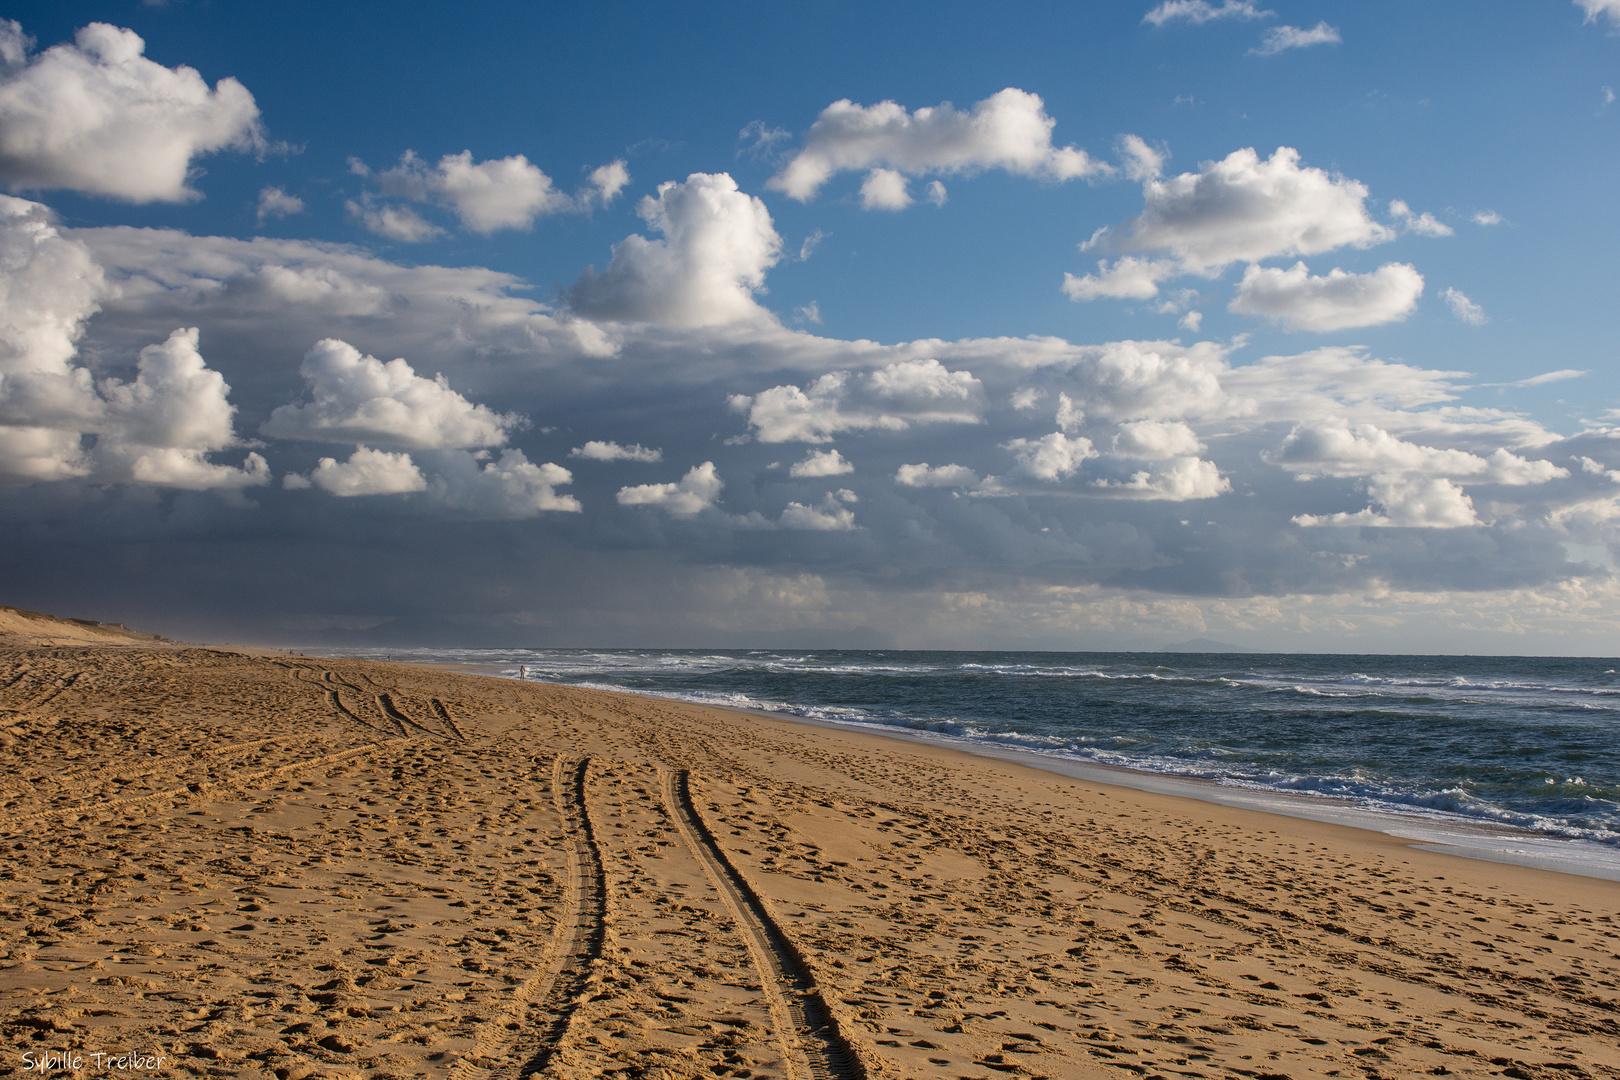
x=437, y=632
x=20, y=627
x=1204, y=644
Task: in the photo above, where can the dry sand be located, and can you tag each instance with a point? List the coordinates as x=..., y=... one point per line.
x=256, y=866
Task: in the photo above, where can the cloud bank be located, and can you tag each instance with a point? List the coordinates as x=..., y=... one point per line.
x=982, y=481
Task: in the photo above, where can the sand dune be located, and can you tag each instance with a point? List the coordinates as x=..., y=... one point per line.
x=22, y=628
x=289, y=867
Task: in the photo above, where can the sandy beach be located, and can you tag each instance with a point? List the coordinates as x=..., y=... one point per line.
x=226, y=864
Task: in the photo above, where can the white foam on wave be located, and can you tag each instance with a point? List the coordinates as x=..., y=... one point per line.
x=1215, y=765
x=1571, y=814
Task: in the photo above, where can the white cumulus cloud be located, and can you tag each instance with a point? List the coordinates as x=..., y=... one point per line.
x=1153, y=440
x=1336, y=449
x=598, y=450
x=694, y=493
x=368, y=472
x=891, y=398
x=821, y=463
x=884, y=189
x=1177, y=479
x=1128, y=278
x=486, y=196
x=174, y=401
x=1240, y=209
x=1070, y=415
x=1143, y=380
x=1422, y=502
x=829, y=515
x=1245, y=209
x=1051, y=457
x=501, y=193
x=606, y=181
x=160, y=428
x=98, y=117
x=1009, y=130
x=357, y=398
x=717, y=244
x=49, y=286
x=1409, y=485
x=157, y=429
x=925, y=475
x=508, y=488
x=1338, y=301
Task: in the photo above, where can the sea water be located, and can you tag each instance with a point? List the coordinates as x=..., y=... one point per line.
x=1527, y=746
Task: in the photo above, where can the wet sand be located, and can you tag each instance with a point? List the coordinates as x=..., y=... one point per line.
x=241, y=865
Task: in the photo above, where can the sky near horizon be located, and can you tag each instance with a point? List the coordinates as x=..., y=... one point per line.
x=1290, y=325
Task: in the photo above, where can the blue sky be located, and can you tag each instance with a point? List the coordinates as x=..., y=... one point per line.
x=1288, y=325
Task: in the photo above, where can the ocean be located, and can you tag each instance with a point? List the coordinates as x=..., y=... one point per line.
x=1523, y=752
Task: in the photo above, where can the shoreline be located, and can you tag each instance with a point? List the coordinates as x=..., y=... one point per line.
x=1454, y=835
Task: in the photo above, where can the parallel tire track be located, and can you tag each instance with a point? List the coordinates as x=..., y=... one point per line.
x=385, y=702
x=337, y=703
x=328, y=683
x=588, y=933
x=523, y=1039
x=58, y=686
x=812, y=1042
x=395, y=720
x=22, y=671
x=449, y=721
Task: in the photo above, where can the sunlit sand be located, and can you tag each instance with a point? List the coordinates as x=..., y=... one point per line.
x=270, y=865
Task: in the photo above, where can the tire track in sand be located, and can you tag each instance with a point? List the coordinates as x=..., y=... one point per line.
x=523, y=1038
x=328, y=683
x=385, y=703
x=58, y=686
x=443, y=712
x=395, y=720
x=336, y=702
x=22, y=672
x=812, y=1042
